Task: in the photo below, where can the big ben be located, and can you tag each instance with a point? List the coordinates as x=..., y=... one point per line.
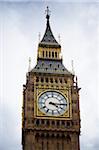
x=50, y=112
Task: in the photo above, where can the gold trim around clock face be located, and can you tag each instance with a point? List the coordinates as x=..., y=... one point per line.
x=40, y=114
x=52, y=103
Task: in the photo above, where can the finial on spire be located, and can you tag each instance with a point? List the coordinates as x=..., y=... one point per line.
x=72, y=63
x=59, y=38
x=47, y=11
x=29, y=68
x=76, y=82
x=39, y=36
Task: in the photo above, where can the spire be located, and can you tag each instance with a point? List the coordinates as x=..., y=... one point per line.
x=48, y=38
x=47, y=14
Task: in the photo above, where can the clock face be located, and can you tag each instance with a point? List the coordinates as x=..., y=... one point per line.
x=52, y=103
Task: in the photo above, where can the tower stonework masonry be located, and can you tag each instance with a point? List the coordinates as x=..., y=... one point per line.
x=50, y=112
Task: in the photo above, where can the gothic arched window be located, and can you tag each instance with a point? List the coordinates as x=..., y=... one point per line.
x=56, y=54
x=52, y=54
x=46, y=53
x=49, y=54
x=43, y=53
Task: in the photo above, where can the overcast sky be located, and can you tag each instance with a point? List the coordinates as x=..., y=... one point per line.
x=77, y=22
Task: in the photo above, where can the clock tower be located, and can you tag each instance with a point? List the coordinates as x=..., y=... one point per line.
x=50, y=112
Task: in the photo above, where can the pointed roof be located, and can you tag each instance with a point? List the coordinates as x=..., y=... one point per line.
x=48, y=38
x=50, y=67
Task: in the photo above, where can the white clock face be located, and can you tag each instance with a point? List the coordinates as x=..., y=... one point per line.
x=52, y=103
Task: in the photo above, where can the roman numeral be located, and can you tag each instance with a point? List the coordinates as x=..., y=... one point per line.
x=62, y=108
x=52, y=112
x=58, y=111
x=43, y=107
x=52, y=94
x=57, y=95
x=47, y=95
x=47, y=110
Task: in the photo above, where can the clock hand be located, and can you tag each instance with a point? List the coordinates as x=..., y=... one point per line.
x=53, y=104
x=56, y=104
x=61, y=104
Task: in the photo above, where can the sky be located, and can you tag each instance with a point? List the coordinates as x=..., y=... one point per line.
x=77, y=22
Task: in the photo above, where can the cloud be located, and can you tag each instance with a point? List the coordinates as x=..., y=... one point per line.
x=74, y=1
x=10, y=127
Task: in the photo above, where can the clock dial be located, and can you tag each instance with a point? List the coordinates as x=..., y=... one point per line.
x=52, y=103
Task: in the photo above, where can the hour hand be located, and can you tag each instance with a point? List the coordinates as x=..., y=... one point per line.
x=53, y=104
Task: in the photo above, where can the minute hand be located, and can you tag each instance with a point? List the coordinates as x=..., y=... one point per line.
x=60, y=104
x=55, y=104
